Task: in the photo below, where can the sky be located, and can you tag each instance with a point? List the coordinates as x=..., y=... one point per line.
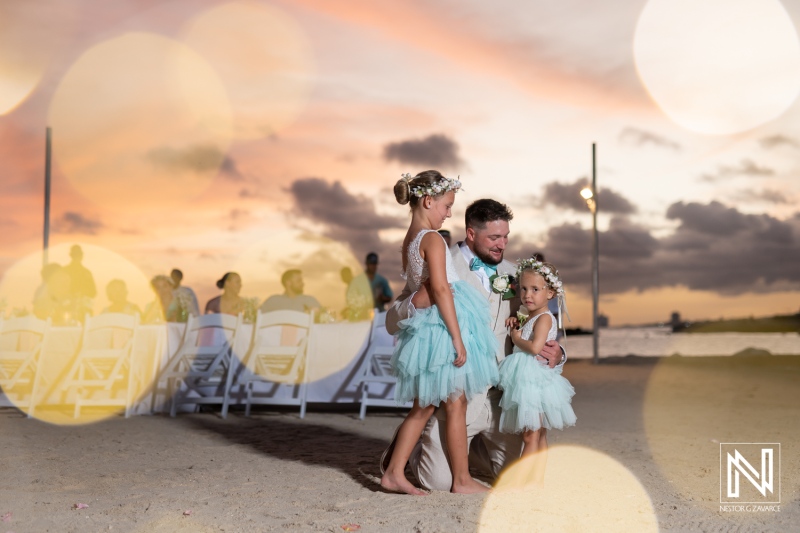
x=255, y=137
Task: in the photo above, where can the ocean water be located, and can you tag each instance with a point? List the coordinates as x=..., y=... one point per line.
x=660, y=341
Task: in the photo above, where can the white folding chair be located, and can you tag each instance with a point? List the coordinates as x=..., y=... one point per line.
x=100, y=375
x=200, y=372
x=278, y=356
x=21, y=342
x=377, y=381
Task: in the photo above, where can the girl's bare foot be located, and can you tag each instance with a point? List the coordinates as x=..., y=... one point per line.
x=468, y=486
x=396, y=483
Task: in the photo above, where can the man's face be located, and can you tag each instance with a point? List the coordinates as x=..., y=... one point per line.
x=294, y=284
x=372, y=268
x=489, y=243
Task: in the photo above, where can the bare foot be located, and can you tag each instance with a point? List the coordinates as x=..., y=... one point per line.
x=394, y=483
x=469, y=486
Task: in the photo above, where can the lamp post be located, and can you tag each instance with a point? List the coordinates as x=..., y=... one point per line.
x=590, y=195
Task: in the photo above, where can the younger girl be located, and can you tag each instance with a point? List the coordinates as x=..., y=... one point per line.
x=444, y=353
x=535, y=396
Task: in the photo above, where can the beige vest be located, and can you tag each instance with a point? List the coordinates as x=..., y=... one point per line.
x=499, y=310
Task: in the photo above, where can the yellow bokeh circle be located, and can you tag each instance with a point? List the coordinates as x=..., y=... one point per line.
x=583, y=490
x=68, y=376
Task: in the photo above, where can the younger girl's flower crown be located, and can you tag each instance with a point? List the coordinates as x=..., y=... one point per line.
x=548, y=272
x=439, y=187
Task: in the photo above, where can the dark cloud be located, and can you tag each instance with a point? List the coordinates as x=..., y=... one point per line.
x=72, y=222
x=198, y=158
x=437, y=151
x=746, y=167
x=765, y=195
x=774, y=141
x=229, y=169
x=568, y=195
x=346, y=217
x=637, y=137
x=714, y=248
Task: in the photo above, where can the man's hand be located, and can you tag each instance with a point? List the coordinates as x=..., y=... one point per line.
x=551, y=352
x=422, y=298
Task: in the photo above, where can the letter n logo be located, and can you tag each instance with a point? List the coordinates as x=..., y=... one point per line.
x=747, y=472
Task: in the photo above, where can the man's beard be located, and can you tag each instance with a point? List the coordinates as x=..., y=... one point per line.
x=486, y=258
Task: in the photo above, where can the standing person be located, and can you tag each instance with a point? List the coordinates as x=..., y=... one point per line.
x=535, y=397
x=229, y=302
x=82, y=282
x=292, y=298
x=444, y=355
x=381, y=292
x=448, y=239
x=487, y=229
x=185, y=295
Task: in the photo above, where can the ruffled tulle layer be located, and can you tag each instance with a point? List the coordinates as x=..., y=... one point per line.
x=534, y=396
x=424, y=354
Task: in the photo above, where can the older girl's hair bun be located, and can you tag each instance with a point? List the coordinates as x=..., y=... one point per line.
x=402, y=190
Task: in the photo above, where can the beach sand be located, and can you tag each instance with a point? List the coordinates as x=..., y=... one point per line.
x=645, y=455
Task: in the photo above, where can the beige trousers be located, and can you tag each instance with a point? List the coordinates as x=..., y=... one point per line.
x=489, y=449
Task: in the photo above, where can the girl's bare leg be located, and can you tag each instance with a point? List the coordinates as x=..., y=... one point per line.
x=395, y=477
x=534, y=456
x=456, y=431
x=540, y=459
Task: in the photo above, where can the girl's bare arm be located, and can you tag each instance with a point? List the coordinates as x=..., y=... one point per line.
x=432, y=248
x=540, y=330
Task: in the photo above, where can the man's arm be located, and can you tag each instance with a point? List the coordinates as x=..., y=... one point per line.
x=554, y=353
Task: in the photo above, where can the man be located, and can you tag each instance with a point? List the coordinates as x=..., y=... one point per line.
x=476, y=259
x=379, y=286
x=184, y=292
x=292, y=298
x=81, y=280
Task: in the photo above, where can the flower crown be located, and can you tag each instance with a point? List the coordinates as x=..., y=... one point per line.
x=550, y=275
x=439, y=187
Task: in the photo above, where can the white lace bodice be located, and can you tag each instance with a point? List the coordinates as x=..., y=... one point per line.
x=417, y=269
x=527, y=329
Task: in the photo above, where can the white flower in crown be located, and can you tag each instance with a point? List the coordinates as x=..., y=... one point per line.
x=440, y=187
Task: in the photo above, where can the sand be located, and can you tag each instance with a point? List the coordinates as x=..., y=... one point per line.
x=643, y=456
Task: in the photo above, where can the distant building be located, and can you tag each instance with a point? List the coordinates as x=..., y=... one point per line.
x=602, y=321
x=675, y=319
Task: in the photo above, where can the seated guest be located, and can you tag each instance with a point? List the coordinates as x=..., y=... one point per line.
x=117, y=293
x=156, y=311
x=292, y=298
x=184, y=295
x=52, y=298
x=229, y=302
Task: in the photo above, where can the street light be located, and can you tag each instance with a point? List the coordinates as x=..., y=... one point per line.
x=590, y=195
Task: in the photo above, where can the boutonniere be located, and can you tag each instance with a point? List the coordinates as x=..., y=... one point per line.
x=503, y=284
x=522, y=317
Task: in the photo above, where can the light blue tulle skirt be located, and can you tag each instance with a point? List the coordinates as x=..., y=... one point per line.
x=534, y=395
x=424, y=354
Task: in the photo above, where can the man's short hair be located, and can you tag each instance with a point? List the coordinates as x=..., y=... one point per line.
x=372, y=258
x=176, y=274
x=288, y=274
x=486, y=210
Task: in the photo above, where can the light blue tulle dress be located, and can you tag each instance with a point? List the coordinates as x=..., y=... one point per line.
x=534, y=395
x=424, y=354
